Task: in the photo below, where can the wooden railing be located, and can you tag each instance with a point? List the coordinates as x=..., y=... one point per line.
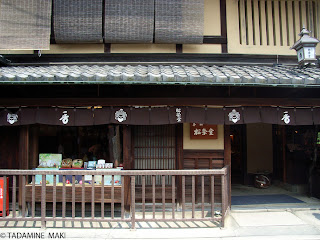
x=181, y=207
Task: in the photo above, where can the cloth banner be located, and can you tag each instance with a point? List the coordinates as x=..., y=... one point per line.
x=158, y=116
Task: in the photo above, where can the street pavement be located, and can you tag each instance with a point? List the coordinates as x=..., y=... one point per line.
x=261, y=223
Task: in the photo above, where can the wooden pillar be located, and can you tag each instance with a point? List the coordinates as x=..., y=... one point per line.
x=23, y=156
x=34, y=147
x=223, y=20
x=227, y=157
x=127, y=164
x=179, y=159
x=284, y=162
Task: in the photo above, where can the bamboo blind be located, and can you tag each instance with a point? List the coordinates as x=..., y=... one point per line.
x=25, y=24
x=128, y=21
x=179, y=21
x=276, y=22
x=77, y=21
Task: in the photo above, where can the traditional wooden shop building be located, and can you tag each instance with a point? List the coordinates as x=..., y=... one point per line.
x=186, y=96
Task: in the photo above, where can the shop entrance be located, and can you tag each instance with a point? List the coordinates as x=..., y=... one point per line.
x=251, y=152
x=282, y=153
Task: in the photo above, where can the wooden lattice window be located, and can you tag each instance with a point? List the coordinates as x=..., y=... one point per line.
x=276, y=22
x=154, y=148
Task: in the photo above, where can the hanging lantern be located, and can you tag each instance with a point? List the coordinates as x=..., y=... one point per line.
x=306, y=49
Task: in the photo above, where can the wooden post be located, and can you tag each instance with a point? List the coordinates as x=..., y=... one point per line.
x=34, y=147
x=179, y=157
x=223, y=20
x=284, y=143
x=127, y=164
x=23, y=157
x=227, y=157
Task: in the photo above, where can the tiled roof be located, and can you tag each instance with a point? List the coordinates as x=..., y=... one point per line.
x=162, y=74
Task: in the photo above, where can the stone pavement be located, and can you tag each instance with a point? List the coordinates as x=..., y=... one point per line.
x=280, y=223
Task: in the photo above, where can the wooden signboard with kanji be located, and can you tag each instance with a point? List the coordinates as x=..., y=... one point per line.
x=203, y=131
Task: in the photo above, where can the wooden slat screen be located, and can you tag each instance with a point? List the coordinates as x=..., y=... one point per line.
x=276, y=22
x=203, y=159
x=154, y=148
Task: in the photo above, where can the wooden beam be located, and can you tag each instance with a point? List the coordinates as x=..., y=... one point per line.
x=183, y=101
x=215, y=40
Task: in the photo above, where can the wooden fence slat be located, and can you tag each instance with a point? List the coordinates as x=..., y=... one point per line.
x=33, y=201
x=92, y=196
x=202, y=196
x=283, y=24
x=193, y=194
x=256, y=19
x=173, y=185
x=317, y=35
x=270, y=23
x=112, y=198
x=242, y=23
x=212, y=195
x=154, y=196
x=263, y=23
x=143, y=197
x=73, y=208
x=83, y=204
x=43, y=201
x=303, y=16
x=277, y=29
x=183, y=182
x=5, y=196
x=250, y=25
x=290, y=23
x=163, y=197
x=14, y=196
x=297, y=23
x=64, y=196
x=133, y=202
x=311, y=24
x=54, y=194
x=102, y=197
x=223, y=200
x=23, y=196
x=122, y=198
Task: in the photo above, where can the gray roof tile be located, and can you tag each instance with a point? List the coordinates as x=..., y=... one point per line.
x=162, y=74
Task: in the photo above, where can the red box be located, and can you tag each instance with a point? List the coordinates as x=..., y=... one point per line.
x=1, y=196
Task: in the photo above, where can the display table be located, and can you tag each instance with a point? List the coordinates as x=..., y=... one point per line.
x=78, y=193
x=77, y=187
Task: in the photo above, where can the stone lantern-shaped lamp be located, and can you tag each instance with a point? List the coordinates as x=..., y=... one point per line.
x=306, y=49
